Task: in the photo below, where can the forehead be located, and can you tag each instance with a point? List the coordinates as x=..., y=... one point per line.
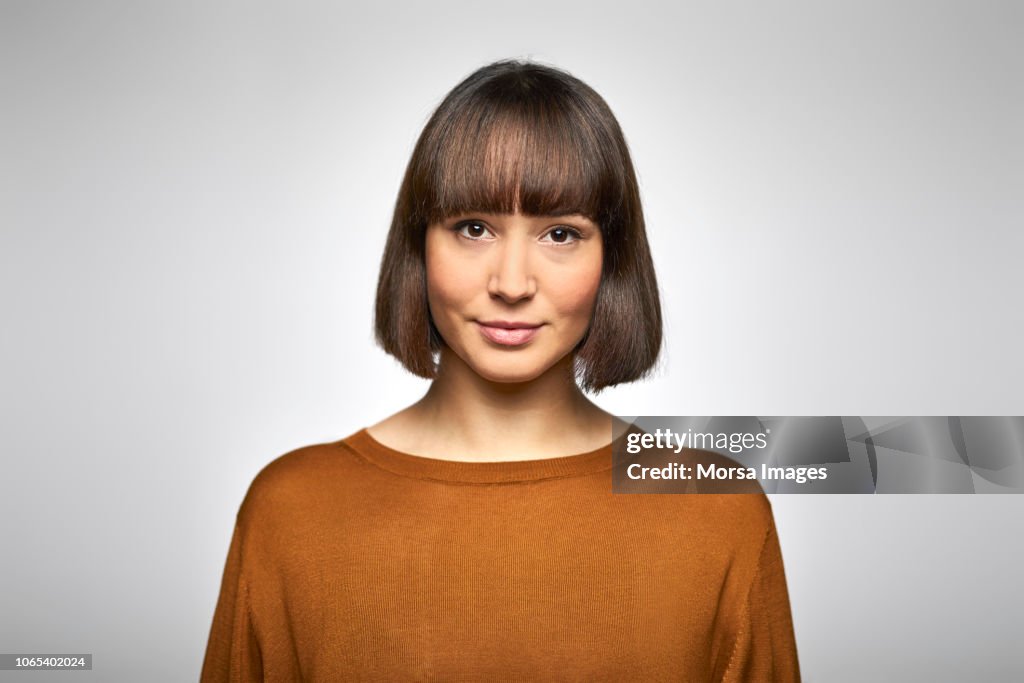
x=509, y=162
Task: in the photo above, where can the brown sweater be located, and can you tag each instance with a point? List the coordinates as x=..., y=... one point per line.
x=354, y=561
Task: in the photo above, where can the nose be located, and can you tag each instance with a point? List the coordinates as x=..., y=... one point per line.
x=511, y=278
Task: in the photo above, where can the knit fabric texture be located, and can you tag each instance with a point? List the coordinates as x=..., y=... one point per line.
x=354, y=561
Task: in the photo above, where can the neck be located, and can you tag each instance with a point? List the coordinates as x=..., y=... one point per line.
x=544, y=417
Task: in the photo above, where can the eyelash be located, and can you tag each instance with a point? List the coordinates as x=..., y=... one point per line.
x=573, y=232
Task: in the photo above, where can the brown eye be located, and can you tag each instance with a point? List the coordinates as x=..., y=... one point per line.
x=473, y=231
x=563, y=236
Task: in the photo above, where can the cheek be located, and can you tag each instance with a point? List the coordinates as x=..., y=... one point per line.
x=579, y=293
x=446, y=284
x=439, y=290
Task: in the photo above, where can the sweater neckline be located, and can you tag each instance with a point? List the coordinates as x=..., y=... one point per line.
x=495, y=472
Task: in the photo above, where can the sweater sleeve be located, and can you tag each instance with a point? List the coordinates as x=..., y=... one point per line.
x=765, y=648
x=232, y=652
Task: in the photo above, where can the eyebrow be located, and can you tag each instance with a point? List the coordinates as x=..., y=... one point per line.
x=488, y=214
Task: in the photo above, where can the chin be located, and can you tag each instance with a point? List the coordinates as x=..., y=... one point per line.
x=510, y=370
x=507, y=367
x=509, y=375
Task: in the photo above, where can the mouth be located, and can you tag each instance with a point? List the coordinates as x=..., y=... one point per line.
x=508, y=333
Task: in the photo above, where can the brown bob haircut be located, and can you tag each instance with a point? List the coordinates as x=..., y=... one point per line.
x=523, y=136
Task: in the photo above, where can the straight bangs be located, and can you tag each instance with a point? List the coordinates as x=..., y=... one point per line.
x=540, y=158
x=516, y=137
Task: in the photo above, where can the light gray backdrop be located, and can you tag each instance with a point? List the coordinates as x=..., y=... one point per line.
x=194, y=198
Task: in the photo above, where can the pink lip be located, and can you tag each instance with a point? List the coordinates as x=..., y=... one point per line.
x=508, y=333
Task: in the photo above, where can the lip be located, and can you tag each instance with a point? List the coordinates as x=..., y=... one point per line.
x=507, y=324
x=508, y=333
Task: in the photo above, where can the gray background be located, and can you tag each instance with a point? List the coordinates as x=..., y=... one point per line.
x=194, y=198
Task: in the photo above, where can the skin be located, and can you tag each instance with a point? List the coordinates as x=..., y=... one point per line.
x=491, y=402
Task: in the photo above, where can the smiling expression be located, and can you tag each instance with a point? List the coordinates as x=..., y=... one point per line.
x=512, y=294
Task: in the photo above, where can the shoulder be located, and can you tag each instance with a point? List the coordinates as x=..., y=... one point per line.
x=295, y=480
x=741, y=505
x=734, y=526
x=735, y=511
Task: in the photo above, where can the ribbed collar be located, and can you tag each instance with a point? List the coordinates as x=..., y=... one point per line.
x=501, y=472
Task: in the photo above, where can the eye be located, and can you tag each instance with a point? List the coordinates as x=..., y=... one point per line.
x=472, y=230
x=562, y=235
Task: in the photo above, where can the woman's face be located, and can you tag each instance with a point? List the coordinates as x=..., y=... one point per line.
x=512, y=294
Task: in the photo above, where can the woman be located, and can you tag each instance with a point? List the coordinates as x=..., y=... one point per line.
x=473, y=536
